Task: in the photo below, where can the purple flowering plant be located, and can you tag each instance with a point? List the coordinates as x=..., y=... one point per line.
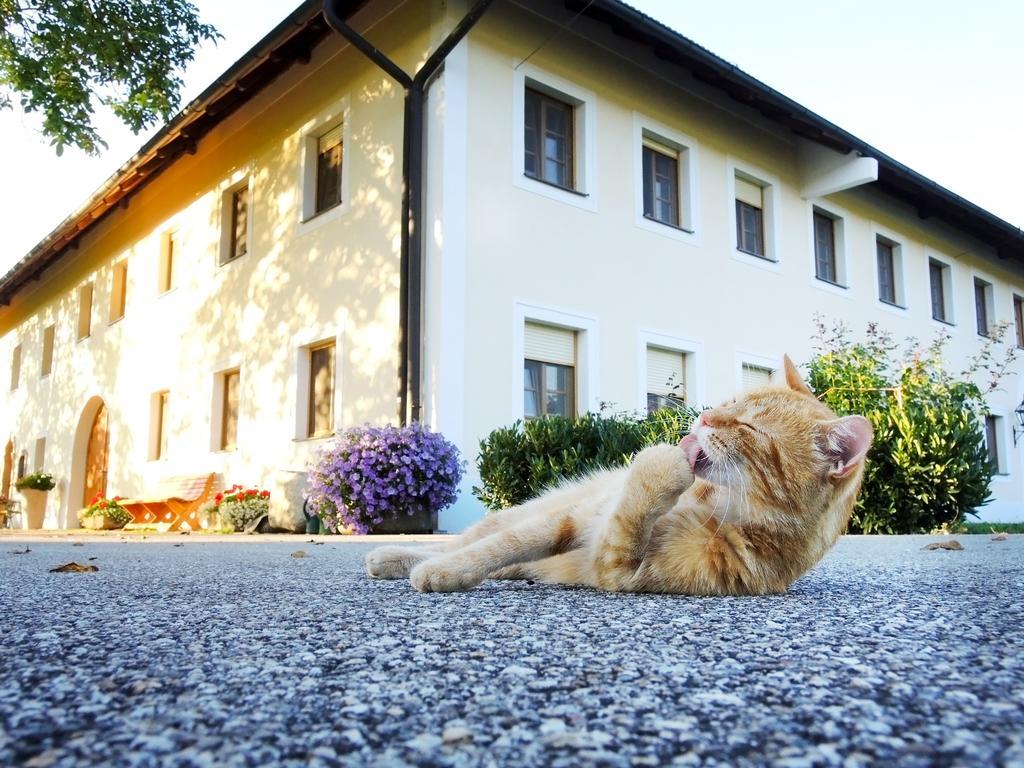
x=368, y=474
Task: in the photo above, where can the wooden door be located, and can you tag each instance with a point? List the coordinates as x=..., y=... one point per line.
x=96, y=458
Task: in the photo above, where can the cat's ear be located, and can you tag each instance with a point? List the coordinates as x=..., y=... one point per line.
x=845, y=442
x=793, y=379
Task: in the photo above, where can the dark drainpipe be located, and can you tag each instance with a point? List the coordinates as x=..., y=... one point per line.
x=410, y=310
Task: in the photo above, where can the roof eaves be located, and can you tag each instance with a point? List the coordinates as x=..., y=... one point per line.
x=261, y=64
x=930, y=198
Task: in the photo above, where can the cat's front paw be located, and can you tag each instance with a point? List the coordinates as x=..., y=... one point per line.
x=391, y=562
x=662, y=468
x=440, y=575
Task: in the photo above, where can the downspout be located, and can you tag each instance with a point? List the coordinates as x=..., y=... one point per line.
x=410, y=309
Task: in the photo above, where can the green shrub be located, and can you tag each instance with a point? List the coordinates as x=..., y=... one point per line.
x=928, y=465
x=519, y=462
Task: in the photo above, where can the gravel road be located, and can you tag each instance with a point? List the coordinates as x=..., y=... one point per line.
x=181, y=651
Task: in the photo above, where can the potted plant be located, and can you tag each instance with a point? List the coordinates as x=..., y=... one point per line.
x=384, y=480
x=34, y=488
x=241, y=508
x=104, y=514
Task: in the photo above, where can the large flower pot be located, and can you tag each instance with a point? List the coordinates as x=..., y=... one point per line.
x=34, y=511
x=420, y=522
x=100, y=523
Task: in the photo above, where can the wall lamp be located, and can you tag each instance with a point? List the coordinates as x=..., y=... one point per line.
x=1019, y=429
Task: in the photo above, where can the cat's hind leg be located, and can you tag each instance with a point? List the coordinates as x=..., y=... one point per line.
x=395, y=562
x=391, y=562
x=535, y=538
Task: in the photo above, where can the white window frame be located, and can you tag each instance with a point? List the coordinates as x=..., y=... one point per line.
x=153, y=442
x=587, y=370
x=693, y=361
x=990, y=302
x=309, y=135
x=774, y=364
x=217, y=405
x=950, y=324
x=172, y=233
x=770, y=188
x=39, y=454
x=17, y=360
x=1002, y=446
x=902, y=305
x=118, y=267
x=688, y=150
x=244, y=179
x=44, y=359
x=303, y=344
x=584, y=103
x=839, y=218
x=83, y=326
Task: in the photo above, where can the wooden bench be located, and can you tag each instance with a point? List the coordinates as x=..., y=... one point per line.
x=174, y=503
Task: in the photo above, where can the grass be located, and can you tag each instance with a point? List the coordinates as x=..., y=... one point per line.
x=994, y=527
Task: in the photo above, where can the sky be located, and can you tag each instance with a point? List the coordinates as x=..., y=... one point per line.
x=935, y=84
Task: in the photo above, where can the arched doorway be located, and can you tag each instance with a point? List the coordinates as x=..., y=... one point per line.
x=95, y=482
x=88, y=459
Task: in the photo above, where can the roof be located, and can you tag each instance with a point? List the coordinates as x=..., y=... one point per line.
x=293, y=40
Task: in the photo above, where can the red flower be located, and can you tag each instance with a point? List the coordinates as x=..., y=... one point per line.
x=219, y=498
x=117, y=498
x=265, y=494
x=103, y=505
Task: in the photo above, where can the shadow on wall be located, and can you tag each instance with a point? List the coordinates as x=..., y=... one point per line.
x=341, y=277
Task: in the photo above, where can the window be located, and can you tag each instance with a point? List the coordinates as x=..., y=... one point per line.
x=159, y=424
x=47, y=364
x=938, y=274
x=16, y=367
x=755, y=376
x=750, y=218
x=825, y=266
x=320, y=418
x=84, y=311
x=661, y=183
x=886, y=272
x=548, y=139
x=238, y=232
x=22, y=465
x=40, y=454
x=549, y=371
x=993, y=446
x=229, y=388
x=328, y=169
x=983, y=306
x=118, y=291
x=1018, y=318
x=323, y=179
x=168, y=262
x=666, y=379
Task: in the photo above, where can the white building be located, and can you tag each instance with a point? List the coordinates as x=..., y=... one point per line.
x=604, y=203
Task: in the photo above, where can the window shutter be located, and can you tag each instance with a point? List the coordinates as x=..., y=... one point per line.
x=665, y=374
x=657, y=146
x=755, y=376
x=549, y=344
x=749, y=193
x=329, y=140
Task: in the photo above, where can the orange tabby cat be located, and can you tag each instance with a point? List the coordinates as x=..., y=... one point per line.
x=745, y=504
